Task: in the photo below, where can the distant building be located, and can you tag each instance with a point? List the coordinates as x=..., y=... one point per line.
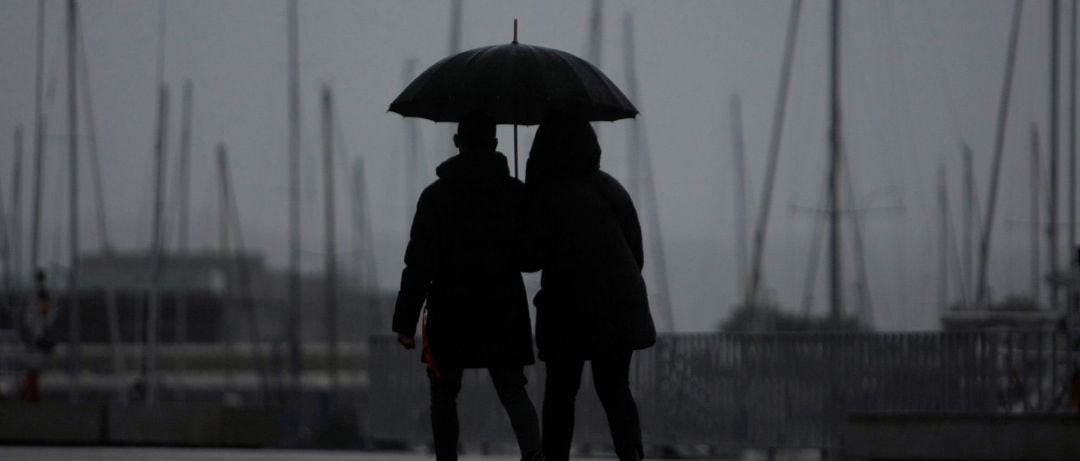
x=208, y=288
x=1013, y=313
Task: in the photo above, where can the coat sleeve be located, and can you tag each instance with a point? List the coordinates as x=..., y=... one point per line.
x=632, y=230
x=419, y=266
x=628, y=219
x=536, y=232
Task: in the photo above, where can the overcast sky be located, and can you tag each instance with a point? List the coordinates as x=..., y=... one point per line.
x=919, y=78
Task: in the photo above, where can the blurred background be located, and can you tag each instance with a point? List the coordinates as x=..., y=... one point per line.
x=922, y=165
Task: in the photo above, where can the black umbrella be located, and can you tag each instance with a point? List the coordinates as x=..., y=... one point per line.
x=514, y=84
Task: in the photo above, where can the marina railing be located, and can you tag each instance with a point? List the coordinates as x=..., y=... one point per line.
x=743, y=390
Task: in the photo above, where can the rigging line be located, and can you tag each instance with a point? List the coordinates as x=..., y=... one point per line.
x=982, y=290
x=5, y=249
x=812, y=260
x=341, y=155
x=955, y=258
x=773, y=152
x=54, y=77
x=898, y=94
x=242, y=271
x=863, y=288
x=162, y=23
x=91, y=124
x=364, y=243
x=39, y=138
x=179, y=209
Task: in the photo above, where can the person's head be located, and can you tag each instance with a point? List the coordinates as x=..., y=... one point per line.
x=565, y=133
x=565, y=144
x=476, y=132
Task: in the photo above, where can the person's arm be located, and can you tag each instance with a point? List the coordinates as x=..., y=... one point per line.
x=632, y=230
x=419, y=270
x=536, y=233
x=627, y=215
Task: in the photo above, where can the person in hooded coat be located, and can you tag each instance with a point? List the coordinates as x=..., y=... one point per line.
x=583, y=232
x=463, y=261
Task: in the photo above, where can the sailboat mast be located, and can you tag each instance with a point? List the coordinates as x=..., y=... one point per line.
x=73, y=201
x=1071, y=239
x=969, y=219
x=455, y=27
x=156, y=248
x=642, y=187
x=330, y=239
x=184, y=165
x=15, y=223
x=242, y=271
x=294, y=327
x=412, y=140
x=39, y=139
x=836, y=298
x=596, y=24
x=943, y=240
x=739, y=152
x=776, y=136
x=454, y=48
x=982, y=294
x=94, y=152
x=1035, y=196
x=184, y=179
x=5, y=254
x=1052, y=227
x=228, y=302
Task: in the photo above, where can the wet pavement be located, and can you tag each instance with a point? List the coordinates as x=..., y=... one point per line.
x=210, y=454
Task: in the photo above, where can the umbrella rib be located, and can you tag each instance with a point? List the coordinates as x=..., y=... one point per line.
x=515, y=83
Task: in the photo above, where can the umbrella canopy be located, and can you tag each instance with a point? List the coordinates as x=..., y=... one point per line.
x=512, y=84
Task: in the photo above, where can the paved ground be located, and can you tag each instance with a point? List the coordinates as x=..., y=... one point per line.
x=203, y=454
x=213, y=454
x=200, y=454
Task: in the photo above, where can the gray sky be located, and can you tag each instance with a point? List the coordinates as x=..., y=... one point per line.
x=919, y=78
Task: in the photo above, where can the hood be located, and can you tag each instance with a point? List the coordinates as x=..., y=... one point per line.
x=474, y=168
x=563, y=147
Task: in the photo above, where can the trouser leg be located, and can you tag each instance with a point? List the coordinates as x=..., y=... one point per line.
x=510, y=385
x=611, y=376
x=560, y=391
x=444, y=417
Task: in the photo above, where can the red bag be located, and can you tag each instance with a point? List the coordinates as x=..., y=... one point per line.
x=429, y=357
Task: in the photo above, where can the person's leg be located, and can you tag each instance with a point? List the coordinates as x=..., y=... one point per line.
x=560, y=390
x=510, y=386
x=444, y=418
x=611, y=376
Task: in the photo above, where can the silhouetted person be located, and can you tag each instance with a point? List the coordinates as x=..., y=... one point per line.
x=592, y=306
x=36, y=333
x=462, y=259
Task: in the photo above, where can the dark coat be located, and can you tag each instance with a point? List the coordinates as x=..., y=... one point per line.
x=462, y=260
x=585, y=236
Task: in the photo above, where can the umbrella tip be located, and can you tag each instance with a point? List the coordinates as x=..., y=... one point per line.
x=515, y=30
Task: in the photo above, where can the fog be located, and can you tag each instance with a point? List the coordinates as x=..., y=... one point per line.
x=918, y=80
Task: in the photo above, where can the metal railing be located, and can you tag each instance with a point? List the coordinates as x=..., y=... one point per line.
x=739, y=390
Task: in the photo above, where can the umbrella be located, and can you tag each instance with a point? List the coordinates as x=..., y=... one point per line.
x=512, y=83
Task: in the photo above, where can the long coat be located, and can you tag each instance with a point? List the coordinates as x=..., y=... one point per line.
x=462, y=259
x=585, y=236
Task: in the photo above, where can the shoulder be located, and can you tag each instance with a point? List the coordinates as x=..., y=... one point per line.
x=430, y=195
x=435, y=188
x=612, y=186
x=514, y=184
